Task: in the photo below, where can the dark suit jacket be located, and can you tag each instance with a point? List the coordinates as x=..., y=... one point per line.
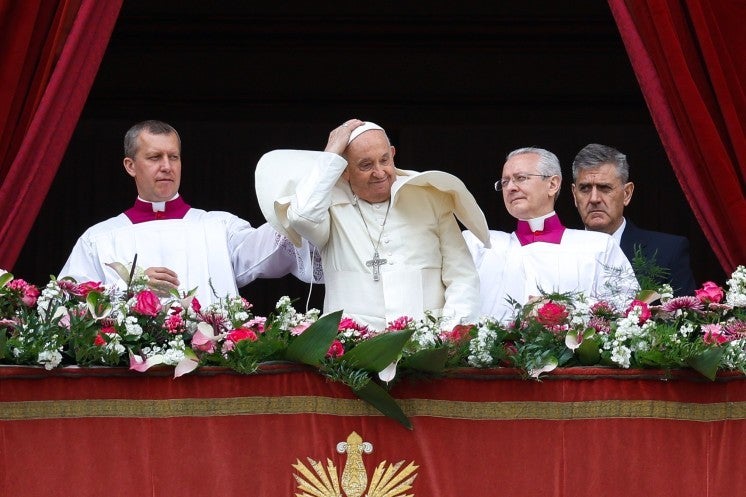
x=667, y=251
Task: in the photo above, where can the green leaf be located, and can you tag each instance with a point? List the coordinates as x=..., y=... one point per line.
x=5, y=278
x=378, y=352
x=373, y=394
x=589, y=351
x=707, y=362
x=428, y=360
x=311, y=346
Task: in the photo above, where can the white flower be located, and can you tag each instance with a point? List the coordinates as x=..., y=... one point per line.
x=132, y=327
x=49, y=358
x=621, y=355
x=481, y=345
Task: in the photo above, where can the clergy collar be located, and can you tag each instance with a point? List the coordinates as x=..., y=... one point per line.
x=548, y=229
x=144, y=211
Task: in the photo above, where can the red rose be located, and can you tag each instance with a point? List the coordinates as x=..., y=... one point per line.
x=710, y=293
x=645, y=313
x=552, y=314
x=241, y=334
x=147, y=303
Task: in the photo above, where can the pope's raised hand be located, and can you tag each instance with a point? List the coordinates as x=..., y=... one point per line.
x=340, y=136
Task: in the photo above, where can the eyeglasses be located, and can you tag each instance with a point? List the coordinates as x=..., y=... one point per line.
x=518, y=179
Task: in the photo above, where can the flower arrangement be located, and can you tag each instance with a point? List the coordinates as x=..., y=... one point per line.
x=87, y=324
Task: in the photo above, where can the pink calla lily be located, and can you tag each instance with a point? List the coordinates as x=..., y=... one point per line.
x=189, y=363
x=137, y=363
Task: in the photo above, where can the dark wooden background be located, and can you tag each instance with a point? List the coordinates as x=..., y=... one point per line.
x=456, y=84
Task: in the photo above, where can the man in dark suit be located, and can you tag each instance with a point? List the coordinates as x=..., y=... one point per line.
x=601, y=189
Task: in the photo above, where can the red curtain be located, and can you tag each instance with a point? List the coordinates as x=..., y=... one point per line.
x=689, y=57
x=50, y=52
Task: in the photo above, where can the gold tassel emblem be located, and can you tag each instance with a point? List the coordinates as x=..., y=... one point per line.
x=387, y=481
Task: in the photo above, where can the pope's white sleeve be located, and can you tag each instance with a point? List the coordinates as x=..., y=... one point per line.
x=459, y=275
x=309, y=208
x=264, y=253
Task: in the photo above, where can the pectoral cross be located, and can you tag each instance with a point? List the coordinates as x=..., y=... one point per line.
x=375, y=263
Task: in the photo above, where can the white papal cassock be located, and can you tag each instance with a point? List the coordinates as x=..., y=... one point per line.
x=584, y=261
x=427, y=268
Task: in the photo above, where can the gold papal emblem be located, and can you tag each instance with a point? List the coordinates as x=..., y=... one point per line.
x=387, y=481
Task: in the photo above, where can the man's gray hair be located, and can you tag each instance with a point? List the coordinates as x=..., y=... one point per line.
x=151, y=126
x=549, y=164
x=595, y=155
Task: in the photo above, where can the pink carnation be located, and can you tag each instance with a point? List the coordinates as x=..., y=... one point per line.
x=350, y=324
x=297, y=330
x=400, y=323
x=29, y=292
x=336, y=349
x=174, y=324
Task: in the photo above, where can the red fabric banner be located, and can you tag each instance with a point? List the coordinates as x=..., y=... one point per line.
x=479, y=433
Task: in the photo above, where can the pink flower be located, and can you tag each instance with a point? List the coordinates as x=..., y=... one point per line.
x=196, y=306
x=240, y=334
x=147, y=303
x=710, y=293
x=459, y=332
x=297, y=330
x=174, y=324
x=336, y=349
x=552, y=314
x=736, y=328
x=599, y=324
x=714, y=334
x=203, y=341
x=29, y=292
x=350, y=324
x=400, y=323
x=603, y=310
x=83, y=289
x=256, y=323
x=683, y=303
x=645, y=313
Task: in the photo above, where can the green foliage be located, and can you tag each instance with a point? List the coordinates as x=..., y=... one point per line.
x=649, y=274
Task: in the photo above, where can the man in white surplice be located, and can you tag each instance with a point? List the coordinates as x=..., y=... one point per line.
x=541, y=255
x=179, y=246
x=390, y=244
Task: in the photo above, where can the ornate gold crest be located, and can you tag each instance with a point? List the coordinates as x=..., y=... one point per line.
x=387, y=481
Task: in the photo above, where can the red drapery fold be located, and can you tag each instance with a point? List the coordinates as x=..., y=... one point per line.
x=688, y=56
x=50, y=54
